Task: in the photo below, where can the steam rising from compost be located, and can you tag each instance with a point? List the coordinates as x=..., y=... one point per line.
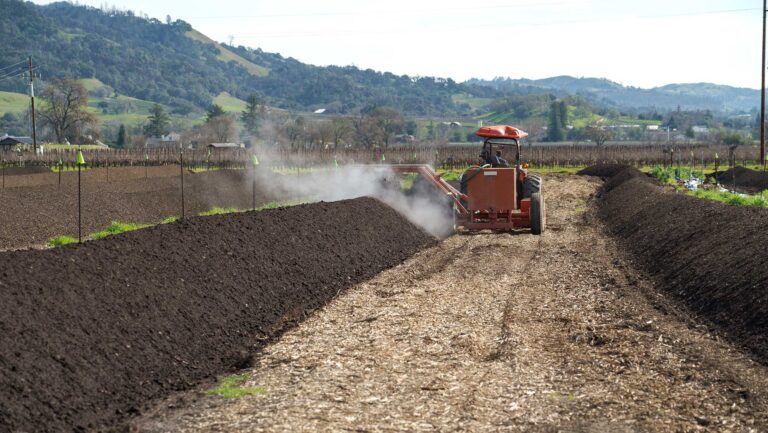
x=425, y=207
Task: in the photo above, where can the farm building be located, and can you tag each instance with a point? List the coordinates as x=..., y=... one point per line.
x=8, y=142
x=225, y=146
x=171, y=140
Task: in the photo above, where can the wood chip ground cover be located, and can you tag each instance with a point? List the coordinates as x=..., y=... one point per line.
x=490, y=333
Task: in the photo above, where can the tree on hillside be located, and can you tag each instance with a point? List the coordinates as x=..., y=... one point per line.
x=388, y=121
x=598, y=134
x=411, y=127
x=322, y=133
x=251, y=116
x=431, y=130
x=563, y=107
x=367, y=133
x=65, y=109
x=341, y=130
x=214, y=111
x=159, y=122
x=122, y=137
x=220, y=129
x=295, y=131
x=555, y=128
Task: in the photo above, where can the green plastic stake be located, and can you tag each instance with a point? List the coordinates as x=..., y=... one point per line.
x=80, y=158
x=335, y=164
x=254, y=160
x=383, y=158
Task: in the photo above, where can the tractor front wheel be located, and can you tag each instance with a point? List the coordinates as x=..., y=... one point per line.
x=538, y=219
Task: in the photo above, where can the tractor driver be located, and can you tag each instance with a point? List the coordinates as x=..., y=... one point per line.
x=499, y=161
x=486, y=158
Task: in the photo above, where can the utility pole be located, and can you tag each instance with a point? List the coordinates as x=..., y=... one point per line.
x=762, y=95
x=32, y=97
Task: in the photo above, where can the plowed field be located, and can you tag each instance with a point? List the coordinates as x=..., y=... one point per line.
x=36, y=208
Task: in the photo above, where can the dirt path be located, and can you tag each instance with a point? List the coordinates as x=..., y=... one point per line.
x=497, y=333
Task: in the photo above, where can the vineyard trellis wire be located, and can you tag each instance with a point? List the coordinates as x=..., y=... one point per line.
x=439, y=156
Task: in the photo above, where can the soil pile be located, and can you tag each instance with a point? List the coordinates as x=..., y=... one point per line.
x=708, y=254
x=746, y=180
x=88, y=333
x=602, y=170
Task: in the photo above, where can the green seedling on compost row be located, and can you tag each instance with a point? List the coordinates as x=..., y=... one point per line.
x=59, y=241
x=231, y=387
x=270, y=205
x=117, y=227
x=219, y=211
x=279, y=204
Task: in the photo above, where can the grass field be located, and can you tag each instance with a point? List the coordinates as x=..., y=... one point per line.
x=137, y=112
x=229, y=103
x=227, y=56
x=474, y=102
x=122, y=109
x=13, y=102
x=92, y=84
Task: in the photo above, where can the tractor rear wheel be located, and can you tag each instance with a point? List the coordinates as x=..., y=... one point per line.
x=538, y=219
x=531, y=185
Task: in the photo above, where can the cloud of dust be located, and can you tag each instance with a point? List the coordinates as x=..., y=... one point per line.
x=424, y=206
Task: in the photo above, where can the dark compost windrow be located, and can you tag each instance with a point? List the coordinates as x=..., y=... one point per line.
x=709, y=255
x=88, y=333
x=743, y=179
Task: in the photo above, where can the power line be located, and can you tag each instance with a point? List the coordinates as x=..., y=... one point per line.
x=12, y=75
x=20, y=73
x=15, y=64
x=375, y=12
x=485, y=25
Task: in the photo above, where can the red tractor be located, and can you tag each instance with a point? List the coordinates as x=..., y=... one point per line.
x=493, y=195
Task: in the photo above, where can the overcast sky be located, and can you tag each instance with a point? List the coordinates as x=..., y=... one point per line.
x=641, y=43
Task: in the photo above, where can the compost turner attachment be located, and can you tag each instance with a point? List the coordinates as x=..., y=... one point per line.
x=492, y=195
